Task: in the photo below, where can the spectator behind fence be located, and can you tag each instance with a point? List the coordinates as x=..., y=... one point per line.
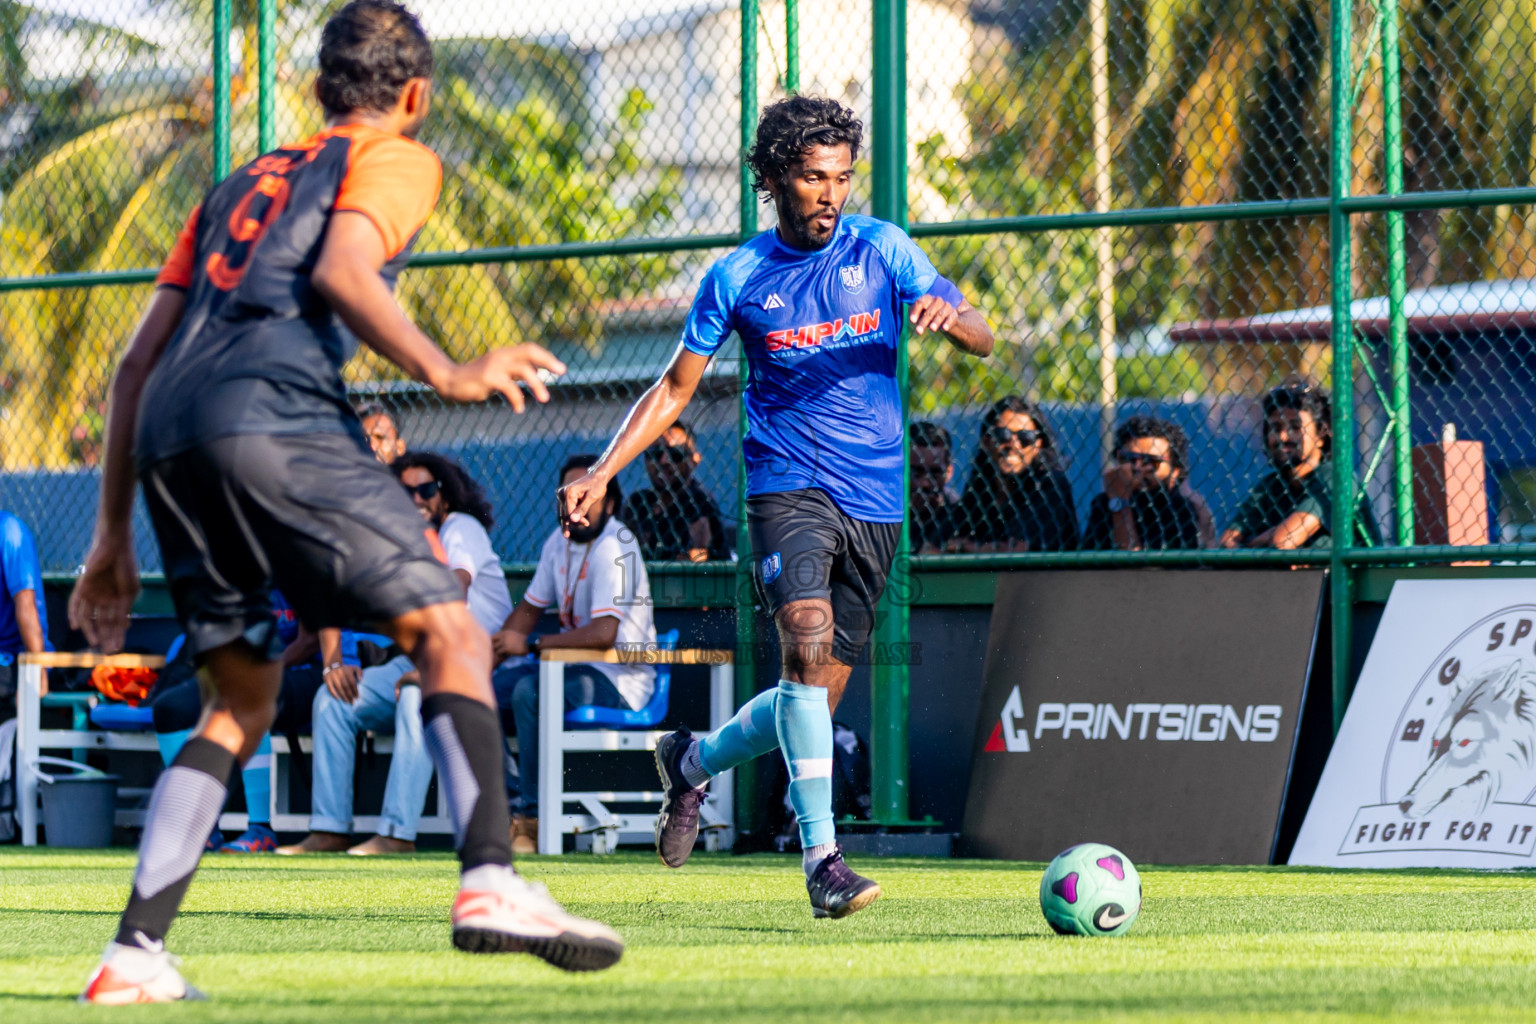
x=383, y=435
x=1147, y=504
x=931, y=524
x=1292, y=506
x=23, y=612
x=386, y=697
x=1017, y=497
x=675, y=519
x=594, y=577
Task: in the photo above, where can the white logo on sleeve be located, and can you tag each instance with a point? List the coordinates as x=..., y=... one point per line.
x=774, y=302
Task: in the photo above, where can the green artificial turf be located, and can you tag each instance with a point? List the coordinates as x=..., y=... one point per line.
x=725, y=939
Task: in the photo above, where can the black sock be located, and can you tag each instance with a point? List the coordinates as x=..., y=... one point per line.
x=464, y=738
x=186, y=803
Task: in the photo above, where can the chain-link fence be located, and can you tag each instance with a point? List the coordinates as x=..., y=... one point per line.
x=1158, y=204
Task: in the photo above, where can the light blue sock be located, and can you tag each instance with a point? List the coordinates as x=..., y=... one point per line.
x=805, y=735
x=257, y=777
x=171, y=744
x=751, y=733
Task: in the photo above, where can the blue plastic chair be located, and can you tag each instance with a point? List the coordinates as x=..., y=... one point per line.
x=591, y=716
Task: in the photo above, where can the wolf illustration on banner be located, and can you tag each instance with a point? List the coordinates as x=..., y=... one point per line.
x=1487, y=732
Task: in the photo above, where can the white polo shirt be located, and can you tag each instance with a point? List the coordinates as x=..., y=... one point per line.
x=469, y=548
x=606, y=577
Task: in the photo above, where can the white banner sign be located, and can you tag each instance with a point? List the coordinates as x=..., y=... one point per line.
x=1435, y=765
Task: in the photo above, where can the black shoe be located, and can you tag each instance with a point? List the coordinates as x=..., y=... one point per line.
x=677, y=826
x=836, y=890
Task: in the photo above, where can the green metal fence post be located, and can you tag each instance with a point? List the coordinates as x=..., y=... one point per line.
x=1341, y=167
x=266, y=80
x=890, y=674
x=220, y=89
x=791, y=46
x=1397, y=272
x=746, y=609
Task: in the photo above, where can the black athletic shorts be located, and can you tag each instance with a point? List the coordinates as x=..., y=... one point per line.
x=315, y=515
x=806, y=547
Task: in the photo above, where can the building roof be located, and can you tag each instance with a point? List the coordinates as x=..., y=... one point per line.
x=1479, y=305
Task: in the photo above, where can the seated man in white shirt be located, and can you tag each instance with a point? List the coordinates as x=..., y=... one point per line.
x=595, y=579
x=386, y=697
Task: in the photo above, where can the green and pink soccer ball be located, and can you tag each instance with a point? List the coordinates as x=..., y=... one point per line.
x=1091, y=889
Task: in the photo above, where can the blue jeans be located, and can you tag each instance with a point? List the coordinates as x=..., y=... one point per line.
x=517, y=697
x=410, y=767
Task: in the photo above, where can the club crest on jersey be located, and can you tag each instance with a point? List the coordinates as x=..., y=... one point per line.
x=812, y=335
x=852, y=277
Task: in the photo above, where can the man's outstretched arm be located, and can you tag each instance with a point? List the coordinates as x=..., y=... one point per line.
x=347, y=274
x=657, y=410
x=105, y=591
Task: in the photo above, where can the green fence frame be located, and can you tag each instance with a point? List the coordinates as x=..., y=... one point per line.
x=889, y=142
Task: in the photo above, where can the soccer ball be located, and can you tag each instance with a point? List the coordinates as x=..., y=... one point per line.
x=1090, y=889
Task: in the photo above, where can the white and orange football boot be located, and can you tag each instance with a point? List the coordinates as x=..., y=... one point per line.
x=132, y=974
x=498, y=911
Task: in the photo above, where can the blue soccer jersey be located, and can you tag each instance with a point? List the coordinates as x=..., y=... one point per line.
x=820, y=330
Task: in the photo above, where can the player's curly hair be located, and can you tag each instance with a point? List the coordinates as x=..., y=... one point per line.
x=368, y=51
x=459, y=489
x=792, y=127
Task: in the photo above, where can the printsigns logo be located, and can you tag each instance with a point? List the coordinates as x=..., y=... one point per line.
x=1132, y=722
x=852, y=277
x=1460, y=768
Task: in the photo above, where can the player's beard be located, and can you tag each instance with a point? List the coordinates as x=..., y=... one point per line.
x=800, y=233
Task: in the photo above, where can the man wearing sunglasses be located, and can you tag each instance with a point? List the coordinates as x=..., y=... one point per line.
x=821, y=303
x=675, y=519
x=1147, y=504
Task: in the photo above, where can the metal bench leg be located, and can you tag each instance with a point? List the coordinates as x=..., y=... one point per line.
x=551, y=756
x=29, y=699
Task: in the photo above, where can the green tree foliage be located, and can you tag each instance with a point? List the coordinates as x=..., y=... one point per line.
x=1222, y=101
x=107, y=186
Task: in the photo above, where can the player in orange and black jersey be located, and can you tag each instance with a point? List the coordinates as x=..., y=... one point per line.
x=256, y=473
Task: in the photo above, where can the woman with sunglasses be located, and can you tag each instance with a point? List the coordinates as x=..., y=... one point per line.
x=1017, y=497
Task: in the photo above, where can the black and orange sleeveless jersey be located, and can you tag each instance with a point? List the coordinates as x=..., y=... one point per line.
x=259, y=350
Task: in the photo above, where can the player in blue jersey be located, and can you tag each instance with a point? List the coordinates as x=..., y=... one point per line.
x=818, y=303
